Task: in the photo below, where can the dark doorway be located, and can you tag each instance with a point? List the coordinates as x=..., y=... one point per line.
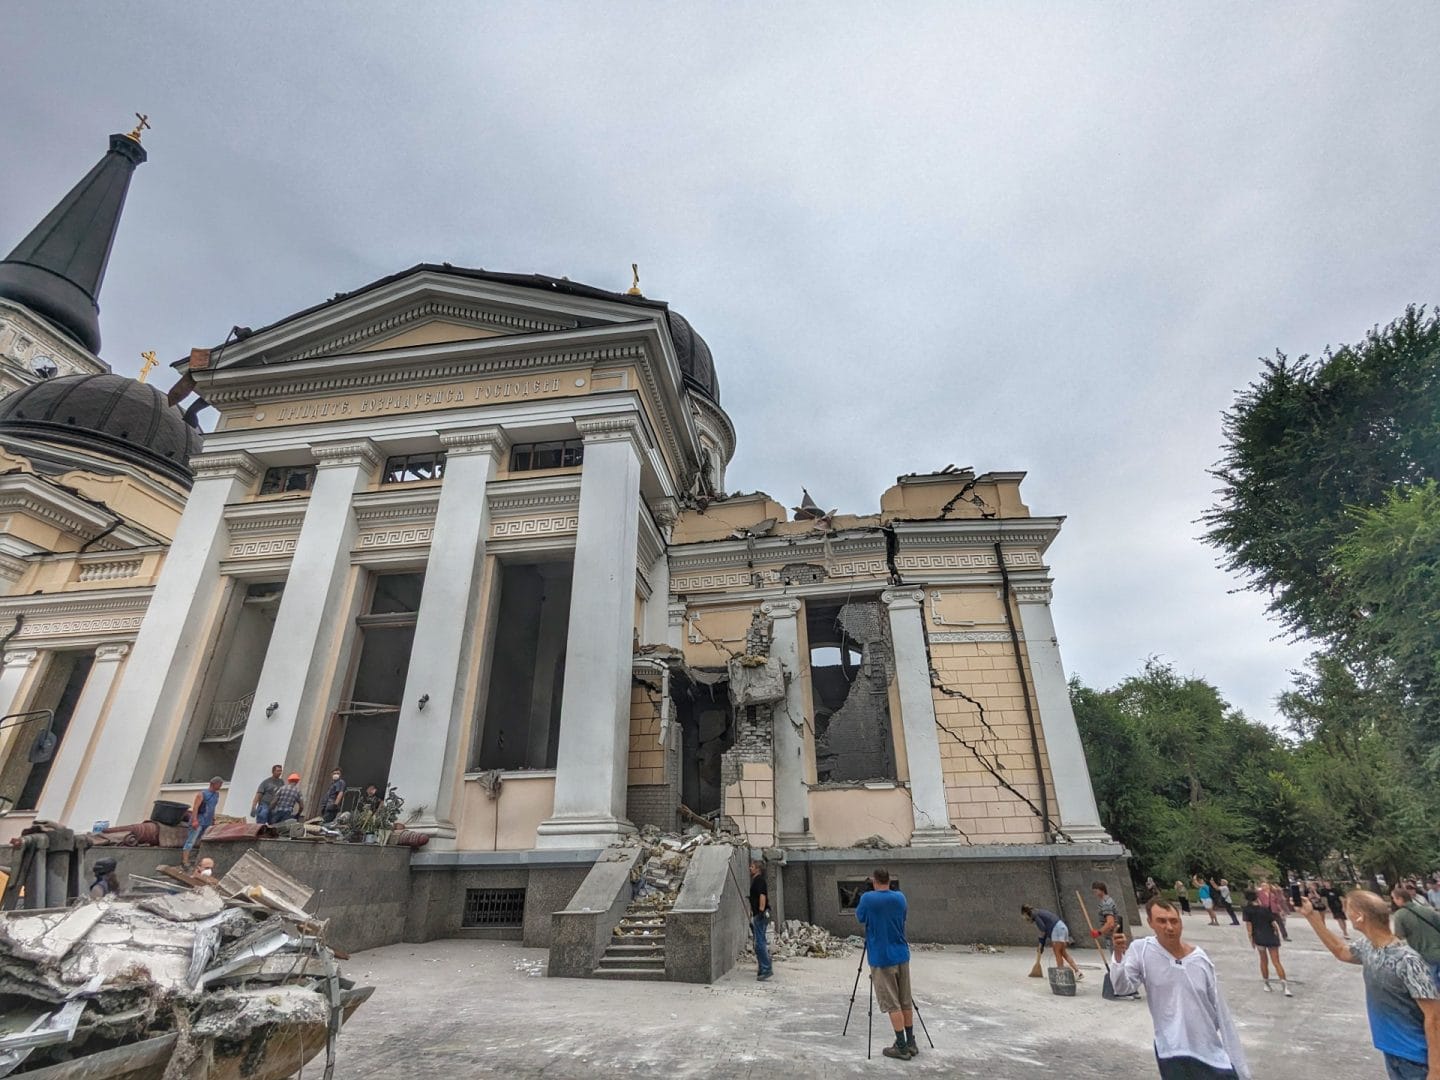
x=527, y=668
x=707, y=730
x=64, y=680
x=851, y=665
x=367, y=721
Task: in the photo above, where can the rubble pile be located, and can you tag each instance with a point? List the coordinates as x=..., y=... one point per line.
x=202, y=976
x=664, y=857
x=797, y=940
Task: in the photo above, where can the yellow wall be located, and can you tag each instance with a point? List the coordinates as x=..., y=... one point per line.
x=979, y=807
x=647, y=753
x=507, y=823
x=841, y=816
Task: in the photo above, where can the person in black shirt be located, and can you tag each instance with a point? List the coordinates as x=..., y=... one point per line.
x=1264, y=930
x=1336, y=904
x=759, y=915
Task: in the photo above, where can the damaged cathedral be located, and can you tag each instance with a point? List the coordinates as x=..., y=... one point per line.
x=468, y=534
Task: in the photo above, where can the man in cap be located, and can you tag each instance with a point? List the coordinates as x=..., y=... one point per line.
x=289, y=803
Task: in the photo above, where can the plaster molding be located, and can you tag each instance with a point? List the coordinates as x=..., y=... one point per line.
x=263, y=547
x=226, y=465
x=956, y=637
x=350, y=453
x=490, y=440
x=666, y=512
x=901, y=599
x=408, y=536
x=396, y=505
x=11, y=567
x=20, y=658
x=618, y=427
x=475, y=314
x=109, y=569
x=516, y=528
x=1033, y=592
x=968, y=561
x=111, y=653
x=527, y=496
x=253, y=517
x=676, y=614
x=781, y=608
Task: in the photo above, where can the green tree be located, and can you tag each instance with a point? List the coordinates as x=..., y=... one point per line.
x=1307, y=445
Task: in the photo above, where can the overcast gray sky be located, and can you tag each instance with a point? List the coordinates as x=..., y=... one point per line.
x=1051, y=237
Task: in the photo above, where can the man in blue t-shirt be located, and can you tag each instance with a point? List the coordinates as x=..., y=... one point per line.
x=1400, y=996
x=882, y=912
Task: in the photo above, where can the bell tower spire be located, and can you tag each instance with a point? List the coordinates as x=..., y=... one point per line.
x=57, y=270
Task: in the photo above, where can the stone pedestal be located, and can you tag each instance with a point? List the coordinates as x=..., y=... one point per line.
x=428, y=741
x=917, y=717
x=593, y=759
x=792, y=795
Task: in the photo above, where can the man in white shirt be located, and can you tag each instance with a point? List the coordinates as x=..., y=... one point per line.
x=1195, y=1037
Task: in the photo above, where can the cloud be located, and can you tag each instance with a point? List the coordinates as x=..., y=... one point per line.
x=1048, y=238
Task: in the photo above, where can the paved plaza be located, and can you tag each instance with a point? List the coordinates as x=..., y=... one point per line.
x=473, y=1008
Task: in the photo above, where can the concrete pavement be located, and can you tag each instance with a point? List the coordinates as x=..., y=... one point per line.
x=472, y=1008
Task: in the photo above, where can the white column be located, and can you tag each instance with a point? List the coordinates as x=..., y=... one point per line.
x=655, y=629
x=75, y=746
x=428, y=740
x=150, y=703
x=917, y=718
x=1076, y=809
x=296, y=675
x=592, y=766
x=792, y=794
x=17, y=665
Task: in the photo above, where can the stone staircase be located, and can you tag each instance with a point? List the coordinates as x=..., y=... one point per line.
x=637, y=948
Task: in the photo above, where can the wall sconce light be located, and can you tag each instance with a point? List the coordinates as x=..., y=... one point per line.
x=270, y=709
x=424, y=700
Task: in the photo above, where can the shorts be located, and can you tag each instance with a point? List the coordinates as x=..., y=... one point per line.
x=1207, y=903
x=1060, y=935
x=892, y=987
x=193, y=836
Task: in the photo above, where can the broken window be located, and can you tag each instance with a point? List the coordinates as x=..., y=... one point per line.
x=363, y=734
x=29, y=762
x=849, y=892
x=280, y=479
x=405, y=468
x=521, y=727
x=851, y=665
x=546, y=455
x=228, y=689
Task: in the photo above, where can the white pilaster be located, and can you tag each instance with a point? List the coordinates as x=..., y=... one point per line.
x=792, y=795
x=592, y=767
x=428, y=740
x=917, y=718
x=295, y=677
x=656, y=628
x=150, y=702
x=1078, y=814
x=17, y=665
x=84, y=724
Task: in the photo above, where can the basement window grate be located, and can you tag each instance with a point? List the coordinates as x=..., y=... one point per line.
x=494, y=908
x=851, y=891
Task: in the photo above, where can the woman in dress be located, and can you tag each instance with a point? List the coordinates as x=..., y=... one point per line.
x=1264, y=934
x=1182, y=894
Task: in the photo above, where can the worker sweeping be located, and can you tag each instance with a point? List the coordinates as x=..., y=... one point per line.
x=1055, y=933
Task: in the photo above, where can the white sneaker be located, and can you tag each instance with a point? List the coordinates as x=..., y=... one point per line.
x=1268, y=988
x=1287, y=990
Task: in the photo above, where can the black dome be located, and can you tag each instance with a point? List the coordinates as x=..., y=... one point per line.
x=108, y=414
x=696, y=363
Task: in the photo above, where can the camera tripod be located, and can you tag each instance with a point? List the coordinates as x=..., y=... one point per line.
x=870, y=1023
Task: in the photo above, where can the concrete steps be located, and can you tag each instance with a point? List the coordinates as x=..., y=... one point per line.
x=637, y=948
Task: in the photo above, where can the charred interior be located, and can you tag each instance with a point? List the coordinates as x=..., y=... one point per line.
x=851, y=665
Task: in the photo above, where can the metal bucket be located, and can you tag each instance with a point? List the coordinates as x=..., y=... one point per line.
x=1062, y=981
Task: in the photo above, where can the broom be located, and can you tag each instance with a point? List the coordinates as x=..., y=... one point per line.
x=1108, y=990
x=1035, y=971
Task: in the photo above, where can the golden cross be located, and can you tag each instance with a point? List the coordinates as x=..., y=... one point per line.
x=634, y=289
x=150, y=362
x=141, y=126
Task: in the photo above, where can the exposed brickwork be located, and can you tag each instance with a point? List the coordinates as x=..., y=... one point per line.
x=653, y=804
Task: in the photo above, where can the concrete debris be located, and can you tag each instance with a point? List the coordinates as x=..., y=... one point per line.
x=981, y=947
x=800, y=940
x=533, y=968
x=215, y=972
x=659, y=872
x=756, y=680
